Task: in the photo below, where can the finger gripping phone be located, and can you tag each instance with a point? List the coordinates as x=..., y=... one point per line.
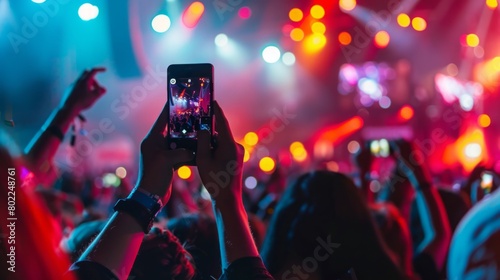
x=190, y=98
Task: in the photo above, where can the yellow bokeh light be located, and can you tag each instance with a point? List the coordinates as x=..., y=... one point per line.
x=296, y=14
x=403, y=20
x=299, y=154
x=246, y=156
x=347, y=5
x=251, y=138
x=184, y=172
x=419, y=24
x=296, y=145
x=267, y=164
x=472, y=40
x=484, y=120
x=318, y=27
x=297, y=34
x=317, y=12
x=345, y=38
x=314, y=43
x=382, y=39
x=492, y=4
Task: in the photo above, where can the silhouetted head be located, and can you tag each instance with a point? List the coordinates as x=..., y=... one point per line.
x=321, y=215
x=198, y=234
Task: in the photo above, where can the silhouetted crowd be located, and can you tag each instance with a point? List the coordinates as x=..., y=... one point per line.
x=312, y=224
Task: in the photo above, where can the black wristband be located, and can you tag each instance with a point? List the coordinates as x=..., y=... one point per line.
x=56, y=131
x=140, y=213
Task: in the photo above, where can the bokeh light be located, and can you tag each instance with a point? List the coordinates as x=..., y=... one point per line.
x=406, y=112
x=296, y=14
x=298, y=151
x=297, y=34
x=250, y=182
x=492, y=4
x=251, y=138
x=267, y=164
x=314, y=43
x=271, y=54
x=245, y=12
x=38, y=1
x=345, y=38
x=382, y=39
x=484, y=120
x=184, y=172
x=353, y=147
x=221, y=40
x=317, y=12
x=347, y=5
x=288, y=58
x=160, y=23
x=192, y=14
x=318, y=27
x=472, y=40
x=473, y=150
x=403, y=20
x=246, y=156
x=88, y=12
x=419, y=24
x=121, y=172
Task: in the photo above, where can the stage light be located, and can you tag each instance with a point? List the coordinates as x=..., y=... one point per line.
x=384, y=102
x=38, y=1
x=297, y=34
x=251, y=139
x=88, y=12
x=347, y=5
x=250, y=182
x=484, y=120
x=271, y=54
x=492, y=4
x=314, y=43
x=288, y=59
x=466, y=102
x=121, y=172
x=345, y=38
x=419, y=24
x=318, y=27
x=382, y=39
x=111, y=180
x=267, y=164
x=160, y=23
x=296, y=145
x=323, y=149
x=246, y=156
x=370, y=87
x=296, y=14
x=317, y=11
x=184, y=172
x=403, y=20
x=472, y=40
x=473, y=150
x=245, y=12
x=192, y=14
x=221, y=40
x=332, y=166
x=353, y=147
x=406, y=112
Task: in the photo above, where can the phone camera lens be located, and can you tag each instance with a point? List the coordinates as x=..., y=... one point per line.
x=172, y=81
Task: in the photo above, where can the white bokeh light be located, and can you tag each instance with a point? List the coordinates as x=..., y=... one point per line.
x=221, y=40
x=473, y=150
x=288, y=58
x=161, y=23
x=88, y=12
x=271, y=54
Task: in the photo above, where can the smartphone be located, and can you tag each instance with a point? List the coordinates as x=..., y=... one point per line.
x=380, y=148
x=487, y=181
x=190, y=98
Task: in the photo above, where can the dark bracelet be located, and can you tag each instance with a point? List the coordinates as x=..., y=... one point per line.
x=56, y=131
x=141, y=214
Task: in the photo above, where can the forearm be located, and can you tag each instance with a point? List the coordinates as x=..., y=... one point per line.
x=116, y=247
x=437, y=232
x=235, y=237
x=42, y=148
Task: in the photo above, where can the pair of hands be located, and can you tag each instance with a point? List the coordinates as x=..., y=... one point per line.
x=410, y=160
x=158, y=162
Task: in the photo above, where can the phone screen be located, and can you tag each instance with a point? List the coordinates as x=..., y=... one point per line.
x=190, y=109
x=486, y=181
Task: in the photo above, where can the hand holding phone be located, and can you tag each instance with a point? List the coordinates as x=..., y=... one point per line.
x=190, y=98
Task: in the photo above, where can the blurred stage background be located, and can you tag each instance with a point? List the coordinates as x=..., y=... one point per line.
x=321, y=75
